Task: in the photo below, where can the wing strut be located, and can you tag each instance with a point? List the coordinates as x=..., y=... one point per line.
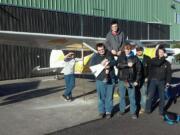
x=88, y=46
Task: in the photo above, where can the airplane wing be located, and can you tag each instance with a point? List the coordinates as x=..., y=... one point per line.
x=51, y=41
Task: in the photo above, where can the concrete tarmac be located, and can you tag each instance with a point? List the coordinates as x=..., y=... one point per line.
x=35, y=107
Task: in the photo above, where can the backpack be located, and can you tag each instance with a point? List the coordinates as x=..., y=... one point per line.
x=171, y=118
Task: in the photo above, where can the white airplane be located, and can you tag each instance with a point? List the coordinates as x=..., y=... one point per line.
x=59, y=43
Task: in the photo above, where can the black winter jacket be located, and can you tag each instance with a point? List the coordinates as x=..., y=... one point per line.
x=160, y=69
x=126, y=73
x=97, y=59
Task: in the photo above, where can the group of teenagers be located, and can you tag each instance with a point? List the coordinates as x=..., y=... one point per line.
x=129, y=71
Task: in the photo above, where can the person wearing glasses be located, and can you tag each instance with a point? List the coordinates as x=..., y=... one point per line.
x=104, y=87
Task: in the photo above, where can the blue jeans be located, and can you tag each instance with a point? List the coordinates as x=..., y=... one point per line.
x=105, y=96
x=70, y=84
x=160, y=86
x=131, y=94
x=143, y=91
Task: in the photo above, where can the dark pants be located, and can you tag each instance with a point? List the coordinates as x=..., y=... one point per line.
x=153, y=86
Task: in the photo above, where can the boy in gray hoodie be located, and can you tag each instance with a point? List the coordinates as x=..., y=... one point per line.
x=114, y=39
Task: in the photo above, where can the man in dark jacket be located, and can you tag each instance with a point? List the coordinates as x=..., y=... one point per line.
x=160, y=77
x=142, y=87
x=129, y=76
x=114, y=39
x=104, y=88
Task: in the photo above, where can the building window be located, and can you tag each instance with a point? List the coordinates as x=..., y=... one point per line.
x=177, y=0
x=178, y=18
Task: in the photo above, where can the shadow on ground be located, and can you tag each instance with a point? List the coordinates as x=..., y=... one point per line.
x=24, y=93
x=123, y=125
x=85, y=94
x=13, y=88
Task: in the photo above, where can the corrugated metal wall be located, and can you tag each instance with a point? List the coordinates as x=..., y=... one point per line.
x=15, y=18
x=18, y=62
x=139, y=10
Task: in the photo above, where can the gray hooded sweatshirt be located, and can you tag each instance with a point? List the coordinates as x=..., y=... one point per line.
x=114, y=42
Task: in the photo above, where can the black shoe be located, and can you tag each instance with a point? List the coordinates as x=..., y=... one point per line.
x=108, y=116
x=64, y=97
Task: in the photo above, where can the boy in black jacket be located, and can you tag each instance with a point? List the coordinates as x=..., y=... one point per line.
x=129, y=68
x=160, y=77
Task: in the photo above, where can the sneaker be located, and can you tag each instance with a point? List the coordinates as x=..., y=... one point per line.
x=141, y=111
x=66, y=98
x=134, y=116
